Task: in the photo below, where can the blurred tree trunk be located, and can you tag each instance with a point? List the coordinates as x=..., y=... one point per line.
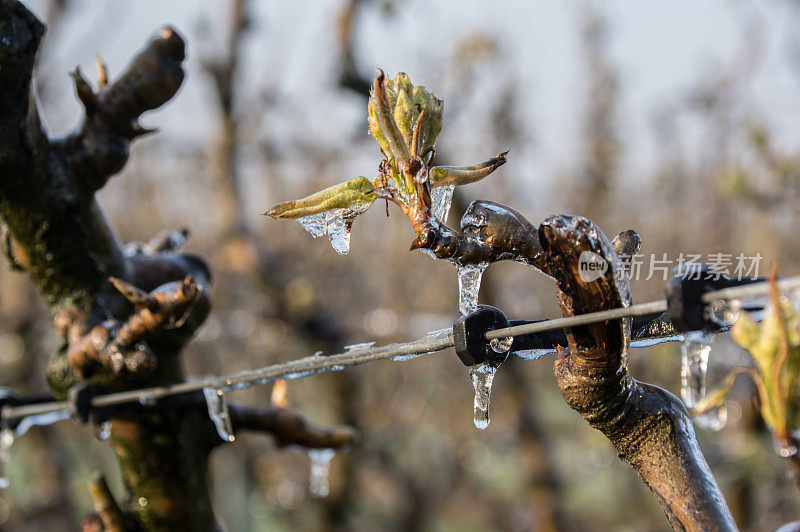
x=57, y=232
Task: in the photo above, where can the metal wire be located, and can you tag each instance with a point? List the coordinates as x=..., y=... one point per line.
x=431, y=343
x=583, y=319
x=736, y=292
x=295, y=369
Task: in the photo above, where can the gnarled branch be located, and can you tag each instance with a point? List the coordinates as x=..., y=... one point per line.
x=649, y=427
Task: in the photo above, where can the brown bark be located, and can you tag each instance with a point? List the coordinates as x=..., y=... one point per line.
x=649, y=427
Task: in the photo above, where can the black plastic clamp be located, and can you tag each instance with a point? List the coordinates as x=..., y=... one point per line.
x=80, y=398
x=8, y=398
x=685, y=307
x=469, y=336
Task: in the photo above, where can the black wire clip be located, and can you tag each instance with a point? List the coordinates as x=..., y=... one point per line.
x=469, y=336
x=80, y=398
x=685, y=307
x=8, y=398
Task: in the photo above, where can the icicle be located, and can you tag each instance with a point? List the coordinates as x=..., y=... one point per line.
x=6, y=439
x=336, y=224
x=441, y=198
x=218, y=412
x=104, y=431
x=319, y=471
x=482, y=376
x=694, y=366
x=339, y=231
x=469, y=284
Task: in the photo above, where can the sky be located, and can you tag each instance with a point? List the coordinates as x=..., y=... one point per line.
x=661, y=50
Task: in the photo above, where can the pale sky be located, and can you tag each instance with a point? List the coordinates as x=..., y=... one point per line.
x=661, y=51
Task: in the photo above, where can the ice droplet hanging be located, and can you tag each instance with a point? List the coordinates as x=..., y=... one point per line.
x=218, y=412
x=482, y=376
x=694, y=368
x=469, y=284
x=336, y=223
x=319, y=471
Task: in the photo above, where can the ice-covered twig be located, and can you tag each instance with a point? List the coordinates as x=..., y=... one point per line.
x=490, y=232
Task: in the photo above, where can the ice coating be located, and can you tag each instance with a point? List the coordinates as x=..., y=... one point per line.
x=441, y=198
x=6, y=439
x=649, y=342
x=314, y=224
x=405, y=358
x=469, y=284
x=533, y=354
x=358, y=347
x=482, y=376
x=339, y=232
x=319, y=471
x=440, y=334
x=218, y=412
x=39, y=420
x=335, y=223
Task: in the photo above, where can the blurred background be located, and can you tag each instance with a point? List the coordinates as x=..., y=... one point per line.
x=678, y=119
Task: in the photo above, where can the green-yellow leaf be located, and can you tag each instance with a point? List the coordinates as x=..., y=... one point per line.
x=463, y=175
x=358, y=191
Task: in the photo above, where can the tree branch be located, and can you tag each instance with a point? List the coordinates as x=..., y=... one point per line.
x=649, y=427
x=59, y=234
x=288, y=427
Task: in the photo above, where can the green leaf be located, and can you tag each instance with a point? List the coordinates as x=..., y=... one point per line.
x=463, y=175
x=358, y=191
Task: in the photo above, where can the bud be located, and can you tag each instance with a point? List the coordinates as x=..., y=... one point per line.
x=406, y=102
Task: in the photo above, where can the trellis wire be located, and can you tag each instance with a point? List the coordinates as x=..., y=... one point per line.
x=431, y=343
